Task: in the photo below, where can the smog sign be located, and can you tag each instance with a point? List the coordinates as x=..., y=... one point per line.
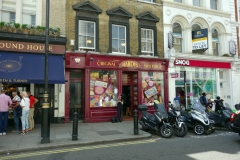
x=200, y=39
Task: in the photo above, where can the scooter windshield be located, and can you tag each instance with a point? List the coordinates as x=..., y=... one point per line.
x=198, y=106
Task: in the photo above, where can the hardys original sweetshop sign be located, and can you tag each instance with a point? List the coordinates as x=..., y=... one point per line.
x=129, y=64
x=30, y=47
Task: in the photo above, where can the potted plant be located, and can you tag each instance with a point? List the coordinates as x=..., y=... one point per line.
x=225, y=55
x=17, y=27
x=2, y=26
x=24, y=28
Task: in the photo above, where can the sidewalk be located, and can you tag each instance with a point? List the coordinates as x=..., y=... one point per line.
x=61, y=136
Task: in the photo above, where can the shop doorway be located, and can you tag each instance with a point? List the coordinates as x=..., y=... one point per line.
x=76, y=95
x=129, y=89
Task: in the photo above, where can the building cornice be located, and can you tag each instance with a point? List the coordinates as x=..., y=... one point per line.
x=205, y=57
x=196, y=9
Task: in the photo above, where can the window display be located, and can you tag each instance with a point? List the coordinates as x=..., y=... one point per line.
x=103, y=88
x=152, y=87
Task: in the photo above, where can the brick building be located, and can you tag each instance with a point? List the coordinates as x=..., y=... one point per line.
x=113, y=47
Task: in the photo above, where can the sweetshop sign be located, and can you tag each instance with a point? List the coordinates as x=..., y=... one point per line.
x=182, y=62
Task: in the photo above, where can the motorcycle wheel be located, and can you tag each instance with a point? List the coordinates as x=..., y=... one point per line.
x=209, y=130
x=229, y=126
x=199, y=129
x=166, y=131
x=182, y=131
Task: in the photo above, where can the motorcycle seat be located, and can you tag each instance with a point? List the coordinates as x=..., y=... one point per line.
x=149, y=116
x=186, y=114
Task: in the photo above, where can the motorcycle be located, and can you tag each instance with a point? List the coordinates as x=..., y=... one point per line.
x=157, y=121
x=222, y=117
x=180, y=128
x=197, y=119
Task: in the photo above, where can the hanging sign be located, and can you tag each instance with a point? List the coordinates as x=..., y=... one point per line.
x=200, y=39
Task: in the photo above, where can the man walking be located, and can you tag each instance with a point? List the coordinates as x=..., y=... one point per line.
x=33, y=100
x=5, y=102
x=15, y=103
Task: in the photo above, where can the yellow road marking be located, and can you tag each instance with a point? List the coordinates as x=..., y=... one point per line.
x=76, y=149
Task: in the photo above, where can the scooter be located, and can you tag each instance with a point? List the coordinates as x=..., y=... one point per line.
x=197, y=119
x=157, y=121
x=180, y=128
x=222, y=117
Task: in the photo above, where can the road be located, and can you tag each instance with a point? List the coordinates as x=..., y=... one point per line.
x=221, y=145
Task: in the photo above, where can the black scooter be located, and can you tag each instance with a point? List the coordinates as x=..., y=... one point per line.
x=222, y=117
x=157, y=121
x=180, y=128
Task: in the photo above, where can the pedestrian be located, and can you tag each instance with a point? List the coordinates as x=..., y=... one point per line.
x=25, y=104
x=15, y=106
x=203, y=100
x=218, y=104
x=119, y=107
x=5, y=103
x=177, y=99
x=210, y=105
x=33, y=100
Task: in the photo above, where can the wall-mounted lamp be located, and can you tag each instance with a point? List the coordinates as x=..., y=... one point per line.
x=89, y=41
x=163, y=63
x=91, y=58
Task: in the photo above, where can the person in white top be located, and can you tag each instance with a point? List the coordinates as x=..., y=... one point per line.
x=25, y=104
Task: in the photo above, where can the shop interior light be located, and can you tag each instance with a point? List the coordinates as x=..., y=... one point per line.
x=123, y=44
x=89, y=41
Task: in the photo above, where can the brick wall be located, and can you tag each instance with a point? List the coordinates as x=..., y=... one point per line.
x=133, y=6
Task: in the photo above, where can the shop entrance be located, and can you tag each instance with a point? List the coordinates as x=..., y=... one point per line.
x=76, y=95
x=129, y=89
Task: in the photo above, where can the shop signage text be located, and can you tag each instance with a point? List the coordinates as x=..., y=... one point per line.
x=30, y=47
x=182, y=62
x=13, y=80
x=129, y=64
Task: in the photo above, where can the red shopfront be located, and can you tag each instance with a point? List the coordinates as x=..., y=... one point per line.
x=95, y=81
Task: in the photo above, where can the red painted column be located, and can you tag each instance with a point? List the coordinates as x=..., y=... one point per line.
x=119, y=82
x=166, y=88
x=87, y=95
x=67, y=95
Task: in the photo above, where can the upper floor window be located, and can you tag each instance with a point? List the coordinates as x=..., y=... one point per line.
x=179, y=1
x=214, y=4
x=196, y=27
x=87, y=35
x=177, y=34
x=118, y=39
x=29, y=12
x=147, y=42
x=8, y=11
x=196, y=3
x=147, y=0
x=215, y=42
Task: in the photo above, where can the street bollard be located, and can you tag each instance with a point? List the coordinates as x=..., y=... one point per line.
x=136, y=131
x=75, y=127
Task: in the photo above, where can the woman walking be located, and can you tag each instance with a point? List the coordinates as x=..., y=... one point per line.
x=25, y=104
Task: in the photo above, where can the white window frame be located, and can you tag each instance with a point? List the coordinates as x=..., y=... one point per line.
x=121, y=39
x=215, y=49
x=150, y=1
x=92, y=48
x=145, y=51
x=200, y=3
x=9, y=11
x=216, y=3
x=30, y=13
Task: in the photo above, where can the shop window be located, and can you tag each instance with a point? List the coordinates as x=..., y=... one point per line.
x=152, y=87
x=118, y=39
x=196, y=3
x=147, y=42
x=214, y=4
x=103, y=88
x=215, y=42
x=177, y=34
x=179, y=1
x=86, y=39
x=8, y=11
x=29, y=12
x=198, y=80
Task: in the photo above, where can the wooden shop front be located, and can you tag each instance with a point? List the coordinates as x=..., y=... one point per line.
x=96, y=80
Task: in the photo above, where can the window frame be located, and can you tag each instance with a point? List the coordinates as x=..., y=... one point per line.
x=96, y=31
x=177, y=1
x=147, y=1
x=216, y=49
x=120, y=39
x=178, y=38
x=153, y=44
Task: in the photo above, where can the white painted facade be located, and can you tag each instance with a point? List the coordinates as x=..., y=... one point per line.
x=186, y=14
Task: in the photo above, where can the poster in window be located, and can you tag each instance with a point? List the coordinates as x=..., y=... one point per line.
x=151, y=92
